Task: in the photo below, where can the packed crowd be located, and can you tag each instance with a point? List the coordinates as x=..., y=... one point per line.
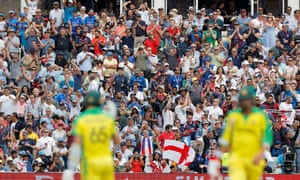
x=170, y=76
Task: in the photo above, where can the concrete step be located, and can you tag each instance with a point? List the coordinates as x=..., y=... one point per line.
x=6, y=5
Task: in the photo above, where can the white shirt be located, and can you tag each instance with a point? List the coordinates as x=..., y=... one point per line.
x=2, y=45
x=32, y=6
x=154, y=60
x=181, y=114
x=127, y=68
x=291, y=112
x=187, y=63
x=93, y=86
x=74, y=111
x=57, y=14
x=145, y=16
x=45, y=106
x=214, y=112
x=87, y=64
x=7, y=104
x=126, y=154
x=139, y=95
x=168, y=117
x=290, y=71
x=47, y=142
x=2, y=25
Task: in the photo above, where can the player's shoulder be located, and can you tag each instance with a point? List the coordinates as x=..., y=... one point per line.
x=234, y=112
x=89, y=112
x=258, y=111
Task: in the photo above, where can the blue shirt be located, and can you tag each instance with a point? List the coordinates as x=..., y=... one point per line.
x=75, y=22
x=176, y=81
x=61, y=97
x=289, y=94
x=243, y=22
x=68, y=13
x=62, y=84
x=12, y=24
x=140, y=80
x=22, y=26
x=45, y=41
x=90, y=21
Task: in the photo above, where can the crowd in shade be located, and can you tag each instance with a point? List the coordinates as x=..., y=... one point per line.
x=168, y=75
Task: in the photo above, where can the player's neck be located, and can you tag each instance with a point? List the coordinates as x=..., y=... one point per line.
x=247, y=111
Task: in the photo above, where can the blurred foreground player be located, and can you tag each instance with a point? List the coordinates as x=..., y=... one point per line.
x=92, y=131
x=246, y=137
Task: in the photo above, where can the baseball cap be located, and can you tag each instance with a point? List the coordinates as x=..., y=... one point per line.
x=60, y=140
x=22, y=14
x=92, y=98
x=22, y=153
x=41, y=153
x=245, y=62
x=109, y=53
x=11, y=11
x=246, y=93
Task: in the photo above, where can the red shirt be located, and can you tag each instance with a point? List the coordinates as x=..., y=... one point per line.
x=153, y=44
x=97, y=48
x=166, y=136
x=136, y=166
x=156, y=31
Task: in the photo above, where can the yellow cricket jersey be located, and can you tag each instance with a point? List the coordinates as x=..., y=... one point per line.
x=96, y=129
x=246, y=134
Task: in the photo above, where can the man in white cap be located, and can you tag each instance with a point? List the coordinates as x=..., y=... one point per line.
x=144, y=14
x=57, y=14
x=246, y=70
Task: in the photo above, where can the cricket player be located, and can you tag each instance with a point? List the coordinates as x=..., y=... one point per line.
x=246, y=137
x=92, y=131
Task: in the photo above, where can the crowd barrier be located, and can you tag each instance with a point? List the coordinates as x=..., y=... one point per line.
x=136, y=176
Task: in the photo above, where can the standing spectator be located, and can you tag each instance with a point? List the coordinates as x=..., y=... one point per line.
x=285, y=36
x=45, y=143
x=168, y=134
x=210, y=35
x=7, y=101
x=243, y=19
x=110, y=64
x=251, y=34
x=152, y=43
x=4, y=136
x=139, y=30
x=154, y=28
x=56, y=14
x=69, y=9
x=38, y=20
x=12, y=41
x=90, y=20
x=63, y=42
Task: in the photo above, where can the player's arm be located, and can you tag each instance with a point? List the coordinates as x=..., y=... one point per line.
x=116, y=139
x=268, y=136
x=225, y=139
x=74, y=152
x=267, y=139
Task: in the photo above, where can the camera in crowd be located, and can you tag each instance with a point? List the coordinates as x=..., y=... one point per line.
x=289, y=163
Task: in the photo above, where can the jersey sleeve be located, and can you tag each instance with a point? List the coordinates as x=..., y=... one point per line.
x=113, y=127
x=76, y=130
x=268, y=137
x=226, y=136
